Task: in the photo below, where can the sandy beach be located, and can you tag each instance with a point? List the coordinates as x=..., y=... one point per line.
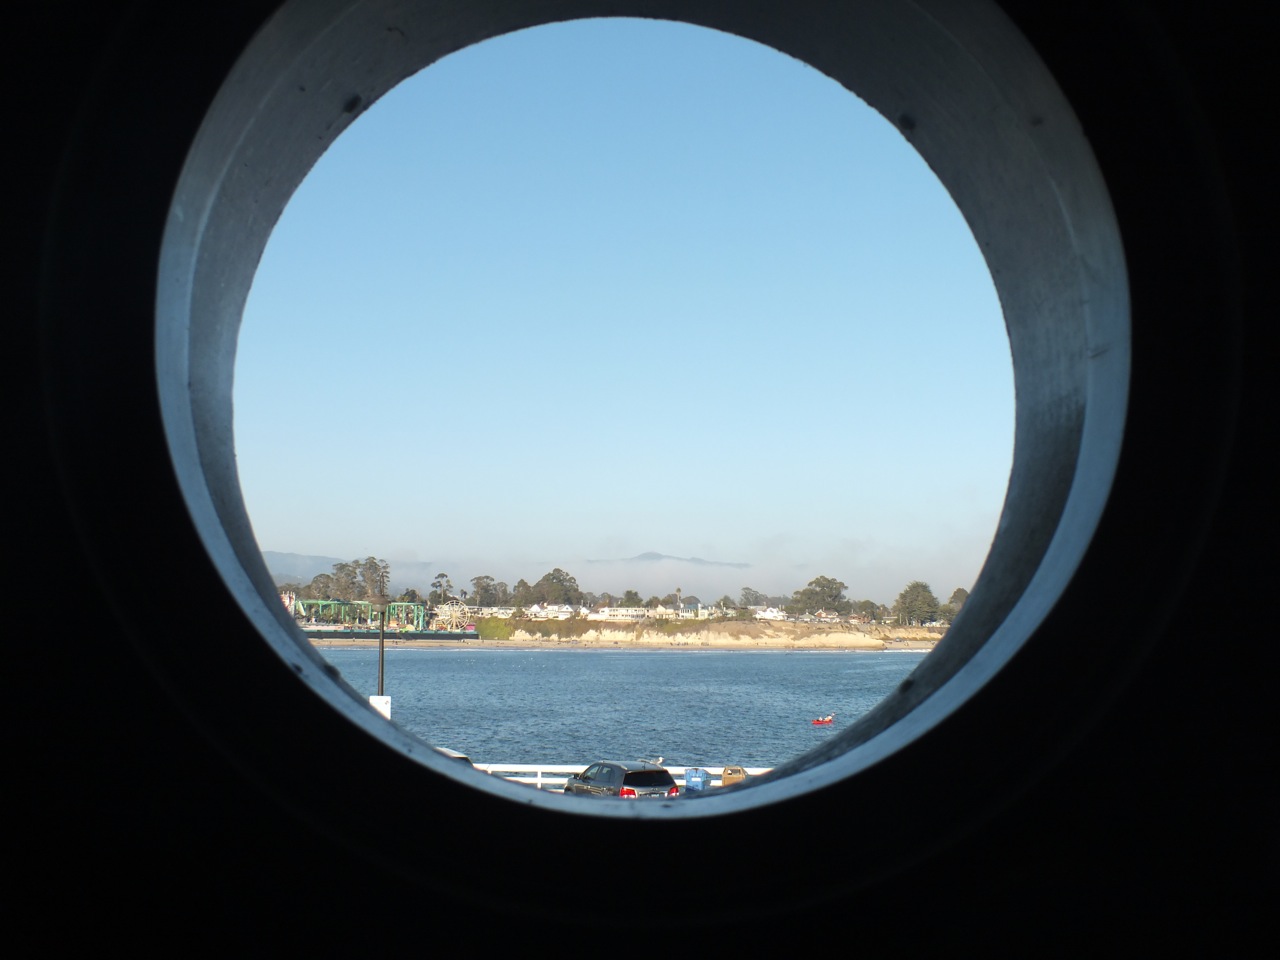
x=724, y=635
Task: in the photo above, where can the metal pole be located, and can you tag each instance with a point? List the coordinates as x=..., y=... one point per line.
x=382, y=622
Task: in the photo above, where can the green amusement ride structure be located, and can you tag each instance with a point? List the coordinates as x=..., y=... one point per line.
x=321, y=617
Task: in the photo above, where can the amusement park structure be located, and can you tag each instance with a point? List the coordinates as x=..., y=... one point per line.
x=324, y=616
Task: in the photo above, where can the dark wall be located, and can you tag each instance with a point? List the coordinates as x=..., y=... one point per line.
x=1158, y=828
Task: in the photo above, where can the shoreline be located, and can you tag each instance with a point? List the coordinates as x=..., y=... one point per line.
x=719, y=637
x=913, y=646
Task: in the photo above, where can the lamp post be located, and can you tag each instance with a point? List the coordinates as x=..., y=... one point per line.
x=378, y=604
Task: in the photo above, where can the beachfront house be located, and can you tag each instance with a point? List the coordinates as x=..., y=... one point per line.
x=629, y=614
x=691, y=608
x=500, y=612
x=770, y=613
x=554, y=611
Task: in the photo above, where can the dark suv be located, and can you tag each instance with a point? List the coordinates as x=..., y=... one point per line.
x=637, y=779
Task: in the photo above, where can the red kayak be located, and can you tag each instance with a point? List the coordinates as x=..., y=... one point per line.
x=823, y=721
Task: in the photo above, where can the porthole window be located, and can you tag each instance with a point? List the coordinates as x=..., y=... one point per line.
x=1004, y=145
x=142, y=413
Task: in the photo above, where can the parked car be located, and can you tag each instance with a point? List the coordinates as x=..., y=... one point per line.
x=637, y=779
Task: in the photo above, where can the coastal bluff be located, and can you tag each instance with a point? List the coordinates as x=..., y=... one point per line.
x=738, y=635
x=696, y=634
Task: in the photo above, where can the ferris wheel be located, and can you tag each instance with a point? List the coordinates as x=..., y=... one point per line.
x=452, y=615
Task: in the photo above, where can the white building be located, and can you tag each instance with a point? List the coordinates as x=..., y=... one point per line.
x=770, y=613
x=554, y=611
x=618, y=613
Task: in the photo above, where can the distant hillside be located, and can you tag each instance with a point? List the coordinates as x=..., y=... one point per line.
x=652, y=557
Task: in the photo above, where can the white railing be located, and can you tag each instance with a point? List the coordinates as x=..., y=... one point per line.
x=552, y=776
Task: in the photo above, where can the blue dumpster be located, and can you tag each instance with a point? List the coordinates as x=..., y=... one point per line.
x=695, y=778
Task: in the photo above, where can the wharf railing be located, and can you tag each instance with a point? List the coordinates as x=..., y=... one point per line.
x=552, y=776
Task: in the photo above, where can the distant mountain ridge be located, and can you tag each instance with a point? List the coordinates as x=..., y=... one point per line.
x=652, y=556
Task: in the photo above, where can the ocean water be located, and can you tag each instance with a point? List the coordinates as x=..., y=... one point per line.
x=692, y=708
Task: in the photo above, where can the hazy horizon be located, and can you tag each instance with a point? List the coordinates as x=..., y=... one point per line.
x=706, y=579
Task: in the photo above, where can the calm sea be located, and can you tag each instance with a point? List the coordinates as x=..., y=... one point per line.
x=692, y=708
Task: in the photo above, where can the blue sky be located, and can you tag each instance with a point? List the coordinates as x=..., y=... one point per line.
x=617, y=286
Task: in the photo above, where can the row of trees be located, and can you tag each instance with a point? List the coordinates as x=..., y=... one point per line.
x=915, y=605
x=362, y=579
x=555, y=587
x=353, y=580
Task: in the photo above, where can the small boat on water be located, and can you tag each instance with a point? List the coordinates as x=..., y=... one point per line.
x=823, y=721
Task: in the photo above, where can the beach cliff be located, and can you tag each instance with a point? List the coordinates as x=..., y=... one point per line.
x=720, y=634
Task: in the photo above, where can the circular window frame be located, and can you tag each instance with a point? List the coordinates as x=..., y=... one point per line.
x=985, y=115
x=947, y=729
